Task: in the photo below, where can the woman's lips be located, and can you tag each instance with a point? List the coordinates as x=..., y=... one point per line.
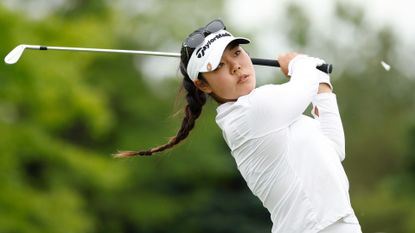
x=243, y=78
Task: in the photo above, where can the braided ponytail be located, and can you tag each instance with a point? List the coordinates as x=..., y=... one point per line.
x=195, y=101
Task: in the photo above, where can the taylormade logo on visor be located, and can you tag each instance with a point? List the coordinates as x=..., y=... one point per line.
x=201, y=52
x=206, y=56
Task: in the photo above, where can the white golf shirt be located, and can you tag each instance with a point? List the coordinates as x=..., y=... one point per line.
x=290, y=161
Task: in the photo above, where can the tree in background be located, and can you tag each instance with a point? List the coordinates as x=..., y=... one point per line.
x=63, y=114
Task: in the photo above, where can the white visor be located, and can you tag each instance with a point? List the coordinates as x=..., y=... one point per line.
x=206, y=57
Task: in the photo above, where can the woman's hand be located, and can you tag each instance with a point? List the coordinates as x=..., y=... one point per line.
x=284, y=59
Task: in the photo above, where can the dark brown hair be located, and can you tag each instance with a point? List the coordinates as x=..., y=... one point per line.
x=195, y=100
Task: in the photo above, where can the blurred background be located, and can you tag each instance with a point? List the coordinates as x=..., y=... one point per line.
x=62, y=114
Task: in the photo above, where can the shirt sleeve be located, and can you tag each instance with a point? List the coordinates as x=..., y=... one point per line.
x=277, y=106
x=330, y=121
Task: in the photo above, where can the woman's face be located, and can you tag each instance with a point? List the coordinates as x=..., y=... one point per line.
x=234, y=77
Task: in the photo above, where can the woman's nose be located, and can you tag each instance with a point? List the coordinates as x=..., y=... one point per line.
x=235, y=67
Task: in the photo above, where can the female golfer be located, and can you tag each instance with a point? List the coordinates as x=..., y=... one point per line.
x=290, y=161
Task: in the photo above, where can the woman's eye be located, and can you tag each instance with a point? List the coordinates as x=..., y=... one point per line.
x=237, y=52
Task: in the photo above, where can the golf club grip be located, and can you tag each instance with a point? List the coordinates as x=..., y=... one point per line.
x=326, y=68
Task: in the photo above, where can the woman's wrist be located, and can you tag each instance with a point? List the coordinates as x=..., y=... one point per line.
x=324, y=88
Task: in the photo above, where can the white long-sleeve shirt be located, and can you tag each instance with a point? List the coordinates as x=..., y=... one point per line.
x=290, y=161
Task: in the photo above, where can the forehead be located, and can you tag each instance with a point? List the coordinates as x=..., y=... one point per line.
x=232, y=45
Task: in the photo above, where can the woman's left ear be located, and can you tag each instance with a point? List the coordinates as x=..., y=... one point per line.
x=203, y=86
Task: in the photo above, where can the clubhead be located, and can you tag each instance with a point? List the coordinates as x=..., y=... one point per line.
x=15, y=54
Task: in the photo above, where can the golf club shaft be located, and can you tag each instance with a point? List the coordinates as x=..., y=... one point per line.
x=15, y=54
x=163, y=54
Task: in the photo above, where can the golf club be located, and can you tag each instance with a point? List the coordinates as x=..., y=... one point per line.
x=17, y=52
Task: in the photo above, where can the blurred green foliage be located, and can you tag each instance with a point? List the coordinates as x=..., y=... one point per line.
x=62, y=115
